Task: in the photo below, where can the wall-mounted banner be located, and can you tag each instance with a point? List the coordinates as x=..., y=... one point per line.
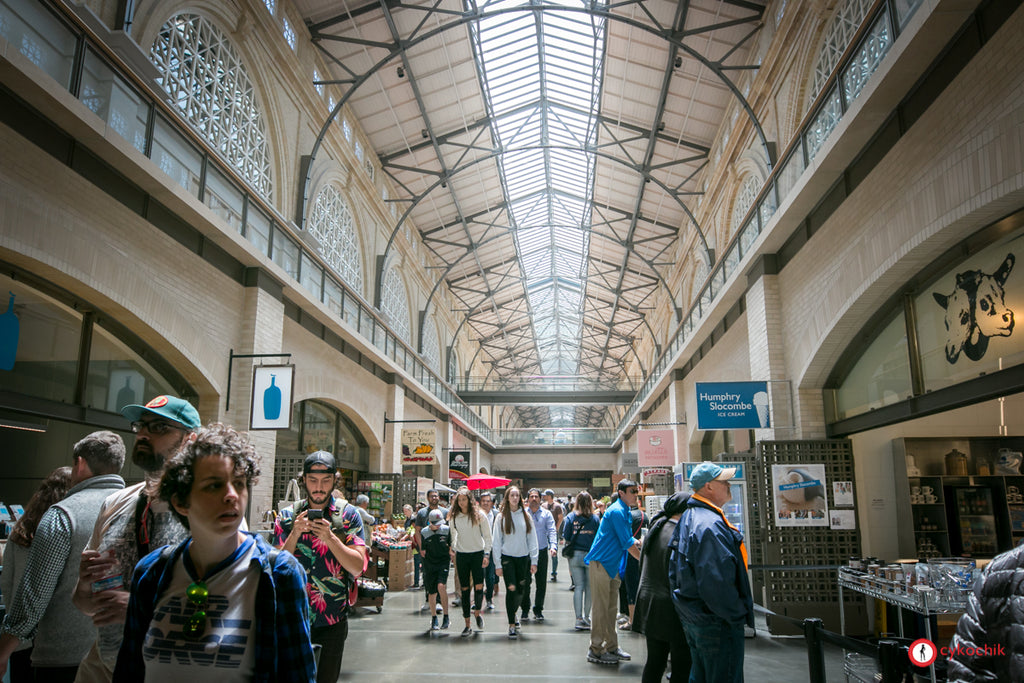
x=271, y=397
x=652, y=471
x=458, y=464
x=418, y=446
x=800, y=495
x=733, y=405
x=656, y=447
x=630, y=462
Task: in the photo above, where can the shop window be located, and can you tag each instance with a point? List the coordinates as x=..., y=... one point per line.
x=881, y=376
x=118, y=376
x=319, y=427
x=39, y=342
x=966, y=317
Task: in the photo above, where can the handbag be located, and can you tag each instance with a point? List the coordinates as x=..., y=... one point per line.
x=568, y=549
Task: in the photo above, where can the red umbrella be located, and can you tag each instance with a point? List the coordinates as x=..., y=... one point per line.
x=486, y=481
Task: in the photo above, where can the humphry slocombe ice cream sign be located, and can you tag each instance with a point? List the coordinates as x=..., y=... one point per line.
x=732, y=405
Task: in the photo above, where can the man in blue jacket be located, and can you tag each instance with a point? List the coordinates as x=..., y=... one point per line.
x=708, y=576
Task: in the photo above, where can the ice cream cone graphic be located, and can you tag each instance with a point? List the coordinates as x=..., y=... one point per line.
x=761, y=403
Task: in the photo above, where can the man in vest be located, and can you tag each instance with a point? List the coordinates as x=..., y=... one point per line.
x=41, y=608
x=130, y=524
x=708, y=577
x=326, y=536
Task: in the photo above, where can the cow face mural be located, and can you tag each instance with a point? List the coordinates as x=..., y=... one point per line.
x=976, y=311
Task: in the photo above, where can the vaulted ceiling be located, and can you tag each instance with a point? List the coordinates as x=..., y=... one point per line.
x=550, y=156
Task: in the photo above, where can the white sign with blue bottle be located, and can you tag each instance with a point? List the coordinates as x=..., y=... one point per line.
x=272, y=397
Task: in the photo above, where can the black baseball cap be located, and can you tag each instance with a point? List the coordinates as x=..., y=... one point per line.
x=320, y=461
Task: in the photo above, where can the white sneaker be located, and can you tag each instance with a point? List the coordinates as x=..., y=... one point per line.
x=439, y=609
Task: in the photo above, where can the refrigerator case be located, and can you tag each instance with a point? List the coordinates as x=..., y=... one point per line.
x=975, y=528
x=736, y=510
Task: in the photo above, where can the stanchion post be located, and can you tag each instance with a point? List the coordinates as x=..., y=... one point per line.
x=815, y=650
x=889, y=661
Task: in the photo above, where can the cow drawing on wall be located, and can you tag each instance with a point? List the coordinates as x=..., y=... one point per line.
x=976, y=311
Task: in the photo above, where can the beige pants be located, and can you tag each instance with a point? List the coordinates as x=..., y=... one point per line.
x=605, y=592
x=93, y=669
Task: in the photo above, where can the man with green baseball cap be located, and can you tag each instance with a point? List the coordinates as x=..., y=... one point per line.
x=130, y=524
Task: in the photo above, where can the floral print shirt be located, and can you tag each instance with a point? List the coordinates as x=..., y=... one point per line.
x=331, y=589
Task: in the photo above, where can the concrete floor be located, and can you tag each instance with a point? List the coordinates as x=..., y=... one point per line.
x=397, y=645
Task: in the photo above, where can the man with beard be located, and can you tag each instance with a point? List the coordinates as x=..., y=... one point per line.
x=131, y=523
x=326, y=536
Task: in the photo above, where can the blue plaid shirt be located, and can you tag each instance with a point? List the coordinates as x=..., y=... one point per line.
x=283, y=649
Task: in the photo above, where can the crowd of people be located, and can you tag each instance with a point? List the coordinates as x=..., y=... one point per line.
x=162, y=579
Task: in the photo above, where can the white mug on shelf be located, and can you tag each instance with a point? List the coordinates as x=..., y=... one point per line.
x=915, y=490
x=916, y=499
x=930, y=500
x=927, y=490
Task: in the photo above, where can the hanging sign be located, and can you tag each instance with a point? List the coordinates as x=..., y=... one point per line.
x=733, y=405
x=271, y=397
x=458, y=464
x=657, y=447
x=418, y=446
x=630, y=462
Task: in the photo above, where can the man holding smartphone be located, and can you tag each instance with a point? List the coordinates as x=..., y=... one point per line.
x=326, y=536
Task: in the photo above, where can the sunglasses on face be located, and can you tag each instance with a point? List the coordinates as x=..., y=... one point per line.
x=156, y=428
x=197, y=594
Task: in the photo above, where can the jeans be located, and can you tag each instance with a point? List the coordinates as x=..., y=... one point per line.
x=554, y=562
x=516, y=572
x=581, y=597
x=470, y=570
x=490, y=579
x=541, y=581
x=416, y=560
x=332, y=648
x=717, y=652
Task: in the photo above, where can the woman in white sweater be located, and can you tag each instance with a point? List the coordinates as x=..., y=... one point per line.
x=471, y=546
x=515, y=553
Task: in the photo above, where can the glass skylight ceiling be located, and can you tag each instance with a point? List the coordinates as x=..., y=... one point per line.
x=541, y=75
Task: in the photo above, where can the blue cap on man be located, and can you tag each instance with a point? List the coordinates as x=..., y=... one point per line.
x=177, y=409
x=708, y=471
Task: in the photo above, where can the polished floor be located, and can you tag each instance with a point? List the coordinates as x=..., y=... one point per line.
x=397, y=645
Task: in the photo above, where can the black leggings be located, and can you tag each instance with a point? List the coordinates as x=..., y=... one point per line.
x=467, y=564
x=516, y=572
x=657, y=657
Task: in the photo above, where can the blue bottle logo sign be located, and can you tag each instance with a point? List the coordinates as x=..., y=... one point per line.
x=9, y=327
x=272, y=400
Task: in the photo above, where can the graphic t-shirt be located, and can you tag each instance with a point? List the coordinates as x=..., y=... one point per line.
x=225, y=651
x=437, y=545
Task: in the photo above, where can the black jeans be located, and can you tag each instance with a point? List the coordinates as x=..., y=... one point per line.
x=516, y=572
x=332, y=648
x=470, y=569
x=541, y=581
x=657, y=657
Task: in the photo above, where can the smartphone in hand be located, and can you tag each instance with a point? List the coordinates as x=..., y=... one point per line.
x=313, y=515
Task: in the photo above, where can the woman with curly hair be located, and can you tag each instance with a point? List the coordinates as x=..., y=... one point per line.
x=471, y=546
x=514, y=549
x=53, y=489
x=222, y=605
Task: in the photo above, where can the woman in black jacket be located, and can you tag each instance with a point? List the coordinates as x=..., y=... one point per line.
x=655, y=616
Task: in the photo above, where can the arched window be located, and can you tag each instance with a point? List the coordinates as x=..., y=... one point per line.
x=744, y=200
x=454, y=371
x=206, y=80
x=394, y=304
x=330, y=222
x=840, y=32
x=430, y=349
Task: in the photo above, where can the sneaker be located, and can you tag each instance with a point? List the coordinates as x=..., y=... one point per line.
x=512, y=633
x=587, y=622
x=554, y=578
x=625, y=625
x=490, y=606
x=426, y=606
x=603, y=658
x=479, y=623
x=622, y=654
x=438, y=609
x=467, y=632
x=581, y=625
x=456, y=602
x=519, y=627
x=445, y=623
x=538, y=616
x=433, y=623
x=524, y=617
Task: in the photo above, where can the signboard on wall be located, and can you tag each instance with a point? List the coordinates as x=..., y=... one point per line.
x=733, y=405
x=458, y=465
x=418, y=446
x=656, y=447
x=800, y=495
x=271, y=406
